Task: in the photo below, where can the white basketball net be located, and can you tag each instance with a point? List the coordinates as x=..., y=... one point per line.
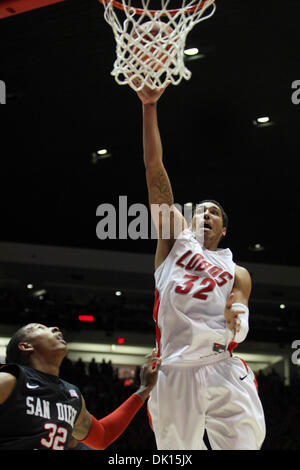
x=144, y=58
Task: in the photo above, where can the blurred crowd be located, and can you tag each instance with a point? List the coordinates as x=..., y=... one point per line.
x=104, y=391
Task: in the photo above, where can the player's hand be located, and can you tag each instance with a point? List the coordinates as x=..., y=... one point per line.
x=147, y=95
x=149, y=374
x=233, y=323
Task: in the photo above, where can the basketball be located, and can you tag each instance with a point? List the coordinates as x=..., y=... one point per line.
x=151, y=43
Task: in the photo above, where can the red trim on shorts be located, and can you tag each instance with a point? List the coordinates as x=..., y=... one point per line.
x=155, y=315
x=158, y=337
x=245, y=364
x=255, y=381
x=232, y=346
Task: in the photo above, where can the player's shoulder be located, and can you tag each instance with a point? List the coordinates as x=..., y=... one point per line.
x=242, y=273
x=7, y=384
x=13, y=369
x=6, y=378
x=241, y=269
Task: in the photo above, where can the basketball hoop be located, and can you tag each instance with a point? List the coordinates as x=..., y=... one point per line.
x=150, y=43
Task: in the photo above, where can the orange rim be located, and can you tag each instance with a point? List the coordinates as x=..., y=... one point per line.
x=140, y=11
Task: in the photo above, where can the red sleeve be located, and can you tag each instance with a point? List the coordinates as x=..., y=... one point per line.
x=102, y=433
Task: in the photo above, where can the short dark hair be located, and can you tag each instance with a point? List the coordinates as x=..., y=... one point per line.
x=13, y=354
x=224, y=215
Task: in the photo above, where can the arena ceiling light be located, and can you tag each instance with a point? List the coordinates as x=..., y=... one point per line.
x=256, y=247
x=191, y=51
x=100, y=154
x=263, y=121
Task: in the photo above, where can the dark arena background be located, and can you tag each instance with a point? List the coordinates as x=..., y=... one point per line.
x=63, y=106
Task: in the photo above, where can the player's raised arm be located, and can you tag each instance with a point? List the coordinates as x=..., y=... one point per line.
x=168, y=221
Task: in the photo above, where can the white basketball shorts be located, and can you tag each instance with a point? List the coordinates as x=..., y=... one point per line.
x=220, y=396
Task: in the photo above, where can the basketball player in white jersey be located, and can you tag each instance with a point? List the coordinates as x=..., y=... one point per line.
x=201, y=314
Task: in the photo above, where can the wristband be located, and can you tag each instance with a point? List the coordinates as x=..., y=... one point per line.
x=244, y=319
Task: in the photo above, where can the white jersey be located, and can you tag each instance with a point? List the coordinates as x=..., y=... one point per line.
x=192, y=287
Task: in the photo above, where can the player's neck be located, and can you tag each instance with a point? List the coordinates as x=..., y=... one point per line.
x=210, y=245
x=43, y=364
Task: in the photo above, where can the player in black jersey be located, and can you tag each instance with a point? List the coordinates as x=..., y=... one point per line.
x=39, y=410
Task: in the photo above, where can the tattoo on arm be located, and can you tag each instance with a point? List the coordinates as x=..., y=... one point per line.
x=82, y=426
x=160, y=190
